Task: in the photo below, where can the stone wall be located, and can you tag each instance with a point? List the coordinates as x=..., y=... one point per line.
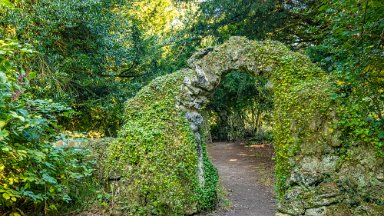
x=329, y=185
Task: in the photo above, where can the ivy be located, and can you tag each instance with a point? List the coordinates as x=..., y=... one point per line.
x=155, y=155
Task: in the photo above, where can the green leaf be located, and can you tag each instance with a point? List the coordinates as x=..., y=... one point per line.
x=2, y=124
x=3, y=77
x=66, y=198
x=6, y=3
x=3, y=134
x=381, y=135
x=49, y=179
x=15, y=115
x=6, y=196
x=53, y=207
x=25, y=50
x=32, y=75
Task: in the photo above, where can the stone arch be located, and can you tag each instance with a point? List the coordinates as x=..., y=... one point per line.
x=209, y=66
x=160, y=159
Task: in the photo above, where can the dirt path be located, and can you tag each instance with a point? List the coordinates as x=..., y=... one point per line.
x=247, y=175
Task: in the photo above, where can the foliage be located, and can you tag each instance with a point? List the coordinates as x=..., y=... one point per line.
x=262, y=136
x=33, y=173
x=208, y=196
x=285, y=21
x=155, y=155
x=294, y=127
x=161, y=35
x=94, y=54
x=81, y=50
x=343, y=37
x=302, y=105
x=350, y=47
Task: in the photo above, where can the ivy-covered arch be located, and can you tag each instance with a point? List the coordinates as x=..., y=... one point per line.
x=270, y=59
x=160, y=157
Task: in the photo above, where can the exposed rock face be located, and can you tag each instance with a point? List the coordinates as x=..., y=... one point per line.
x=196, y=120
x=319, y=180
x=331, y=186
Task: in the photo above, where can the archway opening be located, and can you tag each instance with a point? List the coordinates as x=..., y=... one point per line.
x=239, y=141
x=240, y=109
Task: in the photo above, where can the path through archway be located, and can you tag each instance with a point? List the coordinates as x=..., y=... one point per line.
x=239, y=145
x=246, y=173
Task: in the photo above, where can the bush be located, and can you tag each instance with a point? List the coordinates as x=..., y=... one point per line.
x=262, y=136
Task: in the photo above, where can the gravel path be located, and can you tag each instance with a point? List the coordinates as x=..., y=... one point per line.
x=247, y=175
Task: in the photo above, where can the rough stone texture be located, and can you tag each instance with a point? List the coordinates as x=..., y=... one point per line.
x=316, y=211
x=327, y=185
x=209, y=65
x=196, y=120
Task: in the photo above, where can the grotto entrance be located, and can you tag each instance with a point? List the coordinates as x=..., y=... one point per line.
x=161, y=156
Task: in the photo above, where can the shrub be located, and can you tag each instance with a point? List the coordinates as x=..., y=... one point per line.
x=34, y=175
